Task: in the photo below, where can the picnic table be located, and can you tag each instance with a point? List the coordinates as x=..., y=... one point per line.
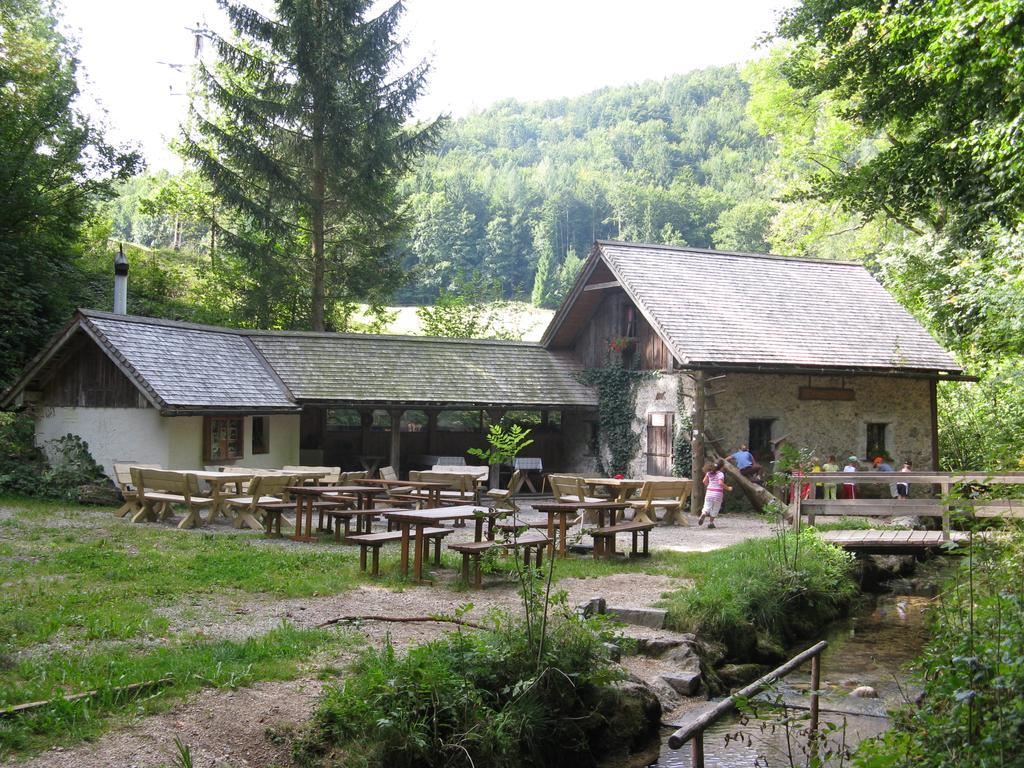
x=365, y=495
x=219, y=491
x=562, y=510
x=432, y=490
x=307, y=498
x=220, y=479
x=617, y=488
x=526, y=465
x=420, y=519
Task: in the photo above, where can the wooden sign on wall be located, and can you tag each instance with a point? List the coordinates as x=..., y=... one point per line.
x=825, y=393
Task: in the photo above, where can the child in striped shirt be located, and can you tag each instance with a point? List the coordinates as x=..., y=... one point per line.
x=714, y=483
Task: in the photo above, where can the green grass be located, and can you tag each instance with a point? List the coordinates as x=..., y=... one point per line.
x=86, y=600
x=104, y=581
x=190, y=663
x=91, y=602
x=781, y=589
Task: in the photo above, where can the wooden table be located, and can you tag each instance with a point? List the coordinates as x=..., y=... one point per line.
x=306, y=497
x=432, y=489
x=618, y=489
x=562, y=510
x=364, y=494
x=218, y=483
x=423, y=518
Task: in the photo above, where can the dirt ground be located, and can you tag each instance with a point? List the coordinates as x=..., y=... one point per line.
x=242, y=727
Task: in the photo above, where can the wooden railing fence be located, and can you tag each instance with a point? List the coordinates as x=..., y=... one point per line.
x=693, y=732
x=942, y=505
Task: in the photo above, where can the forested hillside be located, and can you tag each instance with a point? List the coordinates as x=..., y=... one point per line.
x=519, y=192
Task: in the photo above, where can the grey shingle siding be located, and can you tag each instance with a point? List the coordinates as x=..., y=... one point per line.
x=750, y=309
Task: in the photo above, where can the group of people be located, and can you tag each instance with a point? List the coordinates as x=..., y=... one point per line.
x=715, y=486
x=749, y=468
x=879, y=464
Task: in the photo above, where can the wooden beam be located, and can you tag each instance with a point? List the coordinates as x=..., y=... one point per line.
x=396, y=437
x=602, y=286
x=697, y=445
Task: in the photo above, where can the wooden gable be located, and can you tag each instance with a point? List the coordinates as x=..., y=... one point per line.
x=86, y=377
x=598, y=319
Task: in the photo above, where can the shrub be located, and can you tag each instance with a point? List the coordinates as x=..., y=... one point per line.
x=971, y=711
x=471, y=699
x=24, y=468
x=784, y=588
x=71, y=465
x=21, y=462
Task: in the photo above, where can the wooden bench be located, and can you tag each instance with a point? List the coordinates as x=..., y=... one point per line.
x=162, y=488
x=669, y=496
x=265, y=499
x=342, y=519
x=604, y=538
x=130, y=493
x=475, y=550
x=375, y=541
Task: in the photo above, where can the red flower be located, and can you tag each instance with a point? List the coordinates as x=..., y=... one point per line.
x=620, y=477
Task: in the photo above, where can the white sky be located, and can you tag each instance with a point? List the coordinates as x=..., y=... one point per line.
x=482, y=51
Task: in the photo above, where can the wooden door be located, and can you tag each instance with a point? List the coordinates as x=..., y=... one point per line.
x=659, y=443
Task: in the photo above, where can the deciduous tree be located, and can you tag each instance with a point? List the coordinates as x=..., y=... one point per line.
x=940, y=84
x=53, y=168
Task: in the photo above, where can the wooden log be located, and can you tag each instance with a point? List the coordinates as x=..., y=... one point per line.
x=402, y=619
x=19, y=709
x=759, y=496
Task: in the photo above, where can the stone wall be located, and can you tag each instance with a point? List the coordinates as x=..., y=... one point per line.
x=826, y=426
x=656, y=395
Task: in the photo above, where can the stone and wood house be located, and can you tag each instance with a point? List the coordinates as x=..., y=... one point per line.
x=746, y=347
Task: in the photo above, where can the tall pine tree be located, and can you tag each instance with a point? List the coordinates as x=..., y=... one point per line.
x=303, y=134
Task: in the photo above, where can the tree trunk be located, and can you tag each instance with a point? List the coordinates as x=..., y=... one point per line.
x=213, y=236
x=316, y=312
x=759, y=496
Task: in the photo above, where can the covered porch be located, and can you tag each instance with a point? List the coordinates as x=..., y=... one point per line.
x=410, y=436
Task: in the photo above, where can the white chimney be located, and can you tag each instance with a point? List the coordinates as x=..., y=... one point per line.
x=120, y=282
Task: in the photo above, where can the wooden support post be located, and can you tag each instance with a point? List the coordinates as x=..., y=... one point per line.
x=697, y=750
x=365, y=425
x=697, y=445
x=396, y=438
x=815, y=684
x=432, y=432
x=945, y=512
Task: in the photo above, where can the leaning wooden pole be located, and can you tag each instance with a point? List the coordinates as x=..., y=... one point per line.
x=758, y=495
x=697, y=444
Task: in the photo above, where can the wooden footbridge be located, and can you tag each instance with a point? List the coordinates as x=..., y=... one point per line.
x=947, y=502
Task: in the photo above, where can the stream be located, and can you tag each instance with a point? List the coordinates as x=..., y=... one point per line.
x=871, y=647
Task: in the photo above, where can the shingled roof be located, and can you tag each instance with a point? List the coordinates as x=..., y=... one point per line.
x=363, y=368
x=187, y=368
x=721, y=309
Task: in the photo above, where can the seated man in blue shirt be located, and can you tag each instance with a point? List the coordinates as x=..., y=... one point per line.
x=746, y=464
